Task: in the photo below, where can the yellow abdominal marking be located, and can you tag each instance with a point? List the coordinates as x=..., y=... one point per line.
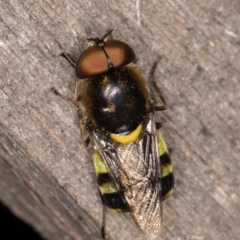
x=162, y=146
x=99, y=165
x=166, y=169
x=107, y=188
x=127, y=138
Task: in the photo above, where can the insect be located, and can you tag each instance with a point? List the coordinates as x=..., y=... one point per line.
x=131, y=159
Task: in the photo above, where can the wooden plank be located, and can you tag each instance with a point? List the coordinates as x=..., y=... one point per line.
x=41, y=152
x=34, y=195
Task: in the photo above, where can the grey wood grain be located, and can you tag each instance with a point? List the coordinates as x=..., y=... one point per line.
x=46, y=175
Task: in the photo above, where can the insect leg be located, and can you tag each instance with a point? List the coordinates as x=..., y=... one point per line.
x=158, y=125
x=157, y=89
x=104, y=221
x=73, y=104
x=81, y=123
x=69, y=59
x=77, y=95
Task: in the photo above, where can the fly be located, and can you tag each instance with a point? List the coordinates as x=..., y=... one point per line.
x=131, y=158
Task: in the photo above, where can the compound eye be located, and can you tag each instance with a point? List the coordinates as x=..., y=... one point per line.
x=93, y=61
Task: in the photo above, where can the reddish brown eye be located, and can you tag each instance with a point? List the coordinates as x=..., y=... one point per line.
x=93, y=60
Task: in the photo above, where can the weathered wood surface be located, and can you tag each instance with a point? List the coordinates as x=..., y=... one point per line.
x=46, y=175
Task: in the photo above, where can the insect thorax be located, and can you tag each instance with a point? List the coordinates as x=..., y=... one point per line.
x=116, y=102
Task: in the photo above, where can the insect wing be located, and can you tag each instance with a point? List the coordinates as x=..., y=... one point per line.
x=143, y=193
x=108, y=153
x=146, y=194
x=135, y=170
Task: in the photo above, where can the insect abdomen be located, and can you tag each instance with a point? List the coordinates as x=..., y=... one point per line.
x=109, y=194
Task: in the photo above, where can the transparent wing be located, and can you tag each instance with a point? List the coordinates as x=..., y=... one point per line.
x=135, y=170
x=107, y=150
x=144, y=197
